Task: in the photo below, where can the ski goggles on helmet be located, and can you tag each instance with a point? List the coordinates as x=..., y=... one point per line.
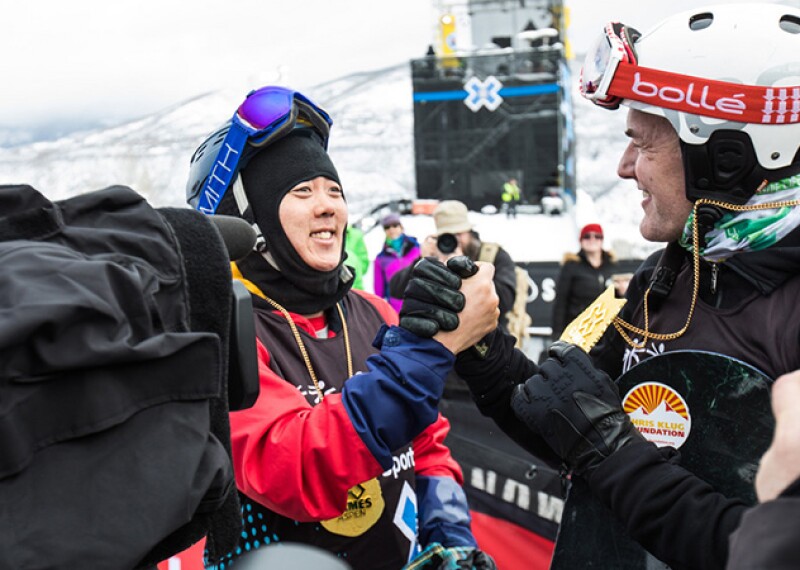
x=265, y=116
x=613, y=47
x=611, y=74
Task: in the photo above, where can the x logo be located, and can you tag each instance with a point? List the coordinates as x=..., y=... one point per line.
x=483, y=93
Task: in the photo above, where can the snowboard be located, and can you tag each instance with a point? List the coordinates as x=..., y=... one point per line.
x=713, y=408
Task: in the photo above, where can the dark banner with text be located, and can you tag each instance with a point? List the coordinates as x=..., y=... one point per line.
x=543, y=276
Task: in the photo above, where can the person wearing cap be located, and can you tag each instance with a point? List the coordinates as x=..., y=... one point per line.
x=399, y=251
x=344, y=446
x=715, y=156
x=451, y=218
x=583, y=276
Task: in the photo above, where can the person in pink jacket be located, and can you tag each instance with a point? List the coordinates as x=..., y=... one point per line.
x=399, y=251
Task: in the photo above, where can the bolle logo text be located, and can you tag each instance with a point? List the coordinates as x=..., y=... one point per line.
x=672, y=94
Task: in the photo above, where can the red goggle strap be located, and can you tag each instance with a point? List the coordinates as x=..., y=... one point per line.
x=755, y=104
x=628, y=36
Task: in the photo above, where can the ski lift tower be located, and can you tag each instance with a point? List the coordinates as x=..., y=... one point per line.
x=492, y=102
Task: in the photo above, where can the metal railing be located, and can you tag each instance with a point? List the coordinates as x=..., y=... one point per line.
x=529, y=65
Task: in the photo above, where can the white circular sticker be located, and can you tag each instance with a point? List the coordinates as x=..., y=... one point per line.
x=659, y=413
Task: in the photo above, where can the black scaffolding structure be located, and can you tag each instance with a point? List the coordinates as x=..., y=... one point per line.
x=482, y=118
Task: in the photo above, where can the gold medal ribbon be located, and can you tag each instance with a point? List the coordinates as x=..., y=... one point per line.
x=589, y=326
x=365, y=502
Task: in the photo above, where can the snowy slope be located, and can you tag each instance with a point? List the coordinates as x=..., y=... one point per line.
x=371, y=144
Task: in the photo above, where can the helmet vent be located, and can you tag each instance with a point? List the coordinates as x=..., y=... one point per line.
x=701, y=21
x=790, y=24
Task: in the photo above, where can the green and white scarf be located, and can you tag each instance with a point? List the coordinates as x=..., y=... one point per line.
x=750, y=230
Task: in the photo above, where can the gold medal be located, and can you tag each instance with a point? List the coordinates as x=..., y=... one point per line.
x=365, y=502
x=589, y=326
x=364, y=507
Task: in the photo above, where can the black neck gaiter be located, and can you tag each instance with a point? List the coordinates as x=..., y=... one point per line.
x=302, y=292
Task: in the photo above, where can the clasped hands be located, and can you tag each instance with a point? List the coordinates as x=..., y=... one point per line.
x=568, y=402
x=455, y=304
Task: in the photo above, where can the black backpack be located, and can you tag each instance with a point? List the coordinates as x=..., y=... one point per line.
x=115, y=336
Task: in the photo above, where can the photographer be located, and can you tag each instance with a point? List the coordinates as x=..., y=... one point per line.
x=455, y=236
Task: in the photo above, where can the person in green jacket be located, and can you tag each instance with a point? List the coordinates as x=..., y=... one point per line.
x=357, y=255
x=511, y=197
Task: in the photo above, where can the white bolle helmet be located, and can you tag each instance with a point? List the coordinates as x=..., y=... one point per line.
x=727, y=77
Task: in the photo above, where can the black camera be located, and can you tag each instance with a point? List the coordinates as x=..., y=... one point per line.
x=447, y=243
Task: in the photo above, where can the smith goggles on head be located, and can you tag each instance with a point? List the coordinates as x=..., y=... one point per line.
x=266, y=115
x=611, y=73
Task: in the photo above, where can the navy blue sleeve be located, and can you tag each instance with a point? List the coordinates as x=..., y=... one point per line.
x=398, y=396
x=443, y=513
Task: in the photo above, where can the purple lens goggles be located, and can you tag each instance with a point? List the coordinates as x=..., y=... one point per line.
x=266, y=115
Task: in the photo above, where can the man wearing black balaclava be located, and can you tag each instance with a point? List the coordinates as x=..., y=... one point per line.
x=344, y=447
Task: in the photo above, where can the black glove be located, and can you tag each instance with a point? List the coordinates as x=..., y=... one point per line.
x=477, y=560
x=432, y=299
x=576, y=408
x=466, y=559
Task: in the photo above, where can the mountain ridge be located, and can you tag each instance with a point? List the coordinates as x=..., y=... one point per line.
x=371, y=145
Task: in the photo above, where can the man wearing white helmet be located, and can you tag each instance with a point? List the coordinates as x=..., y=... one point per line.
x=713, y=99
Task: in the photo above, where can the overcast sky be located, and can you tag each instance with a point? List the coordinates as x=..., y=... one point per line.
x=108, y=60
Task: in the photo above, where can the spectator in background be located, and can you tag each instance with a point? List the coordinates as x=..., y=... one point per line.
x=583, y=276
x=357, y=255
x=399, y=251
x=511, y=197
x=451, y=217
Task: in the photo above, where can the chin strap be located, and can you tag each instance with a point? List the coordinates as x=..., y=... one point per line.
x=707, y=217
x=666, y=271
x=243, y=204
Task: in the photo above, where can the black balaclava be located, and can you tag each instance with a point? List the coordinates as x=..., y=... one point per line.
x=267, y=178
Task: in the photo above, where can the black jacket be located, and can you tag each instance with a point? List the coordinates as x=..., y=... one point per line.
x=746, y=309
x=579, y=283
x=751, y=313
x=768, y=538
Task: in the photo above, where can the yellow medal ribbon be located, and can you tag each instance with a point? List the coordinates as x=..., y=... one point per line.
x=589, y=326
x=365, y=506
x=365, y=502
